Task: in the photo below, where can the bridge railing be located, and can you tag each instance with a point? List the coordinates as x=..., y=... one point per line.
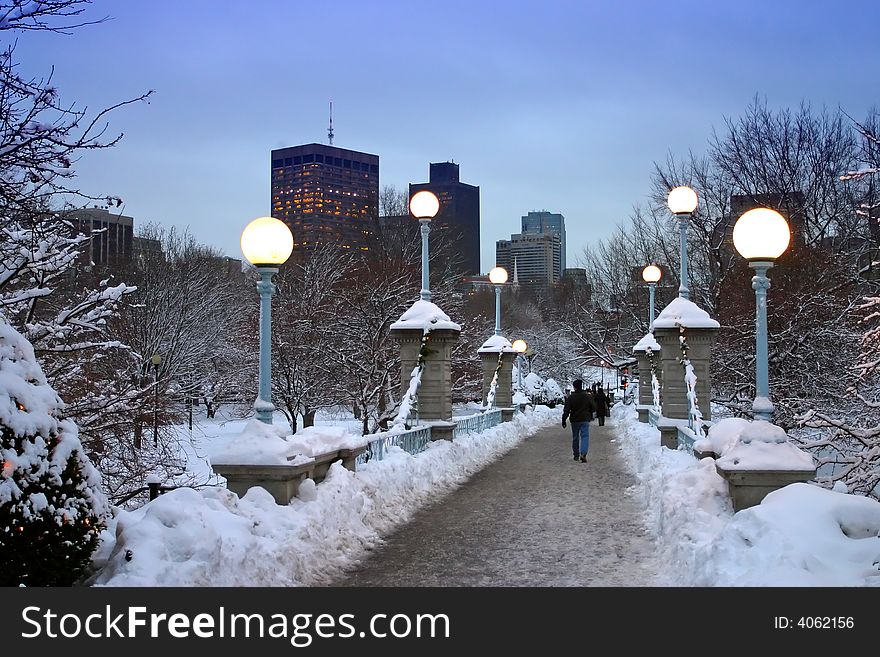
x=477, y=422
x=411, y=441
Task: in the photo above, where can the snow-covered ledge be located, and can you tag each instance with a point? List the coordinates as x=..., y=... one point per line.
x=756, y=458
x=265, y=455
x=424, y=315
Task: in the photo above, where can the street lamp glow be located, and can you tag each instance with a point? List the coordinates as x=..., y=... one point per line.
x=266, y=241
x=498, y=276
x=651, y=274
x=682, y=200
x=520, y=346
x=424, y=205
x=761, y=234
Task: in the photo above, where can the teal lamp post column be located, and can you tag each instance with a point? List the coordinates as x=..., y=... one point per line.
x=424, y=206
x=498, y=277
x=267, y=243
x=651, y=274
x=761, y=236
x=682, y=202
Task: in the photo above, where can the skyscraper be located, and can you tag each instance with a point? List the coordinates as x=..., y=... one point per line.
x=536, y=256
x=325, y=194
x=110, y=236
x=459, y=215
x=535, y=223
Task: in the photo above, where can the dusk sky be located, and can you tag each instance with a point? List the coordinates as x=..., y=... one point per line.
x=553, y=105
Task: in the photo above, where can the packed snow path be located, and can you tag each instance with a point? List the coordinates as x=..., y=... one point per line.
x=533, y=518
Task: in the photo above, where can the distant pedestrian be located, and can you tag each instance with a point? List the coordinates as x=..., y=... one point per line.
x=580, y=408
x=601, y=400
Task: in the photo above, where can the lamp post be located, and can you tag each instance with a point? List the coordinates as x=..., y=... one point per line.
x=498, y=277
x=519, y=346
x=682, y=202
x=424, y=206
x=156, y=360
x=651, y=274
x=266, y=243
x=761, y=236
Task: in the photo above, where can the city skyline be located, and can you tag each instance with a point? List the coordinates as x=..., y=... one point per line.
x=561, y=106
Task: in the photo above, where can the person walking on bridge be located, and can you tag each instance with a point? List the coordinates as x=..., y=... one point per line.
x=580, y=407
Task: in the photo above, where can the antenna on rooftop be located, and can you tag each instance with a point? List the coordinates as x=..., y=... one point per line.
x=330, y=129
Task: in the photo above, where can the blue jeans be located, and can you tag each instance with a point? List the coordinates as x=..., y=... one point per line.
x=580, y=438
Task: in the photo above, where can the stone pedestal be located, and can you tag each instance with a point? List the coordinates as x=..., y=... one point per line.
x=748, y=487
x=700, y=342
x=507, y=414
x=435, y=392
x=504, y=387
x=281, y=481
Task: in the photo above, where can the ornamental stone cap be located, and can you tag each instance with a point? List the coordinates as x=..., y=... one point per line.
x=425, y=315
x=647, y=342
x=682, y=312
x=496, y=344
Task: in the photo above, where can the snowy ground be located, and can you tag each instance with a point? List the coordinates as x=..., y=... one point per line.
x=801, y=535
x=210, y=537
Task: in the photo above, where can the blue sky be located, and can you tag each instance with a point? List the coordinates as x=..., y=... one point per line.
x=553, y=105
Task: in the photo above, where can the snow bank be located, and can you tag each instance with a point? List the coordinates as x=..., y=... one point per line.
x=257, y=444
x=753, y=445
x=682, y=312
x=801, y=535
x=312, y=441
x=425, y=315
x=213, y=538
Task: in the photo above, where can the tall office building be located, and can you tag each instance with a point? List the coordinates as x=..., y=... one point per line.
x=325, y=194
x=536, y=256
x=535, y=223
x=459, y=216
x=110, y=236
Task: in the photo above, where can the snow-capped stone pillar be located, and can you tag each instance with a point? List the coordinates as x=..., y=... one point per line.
x=489, y=354
x=646, y=384
x=700, y=331
x=434, y=398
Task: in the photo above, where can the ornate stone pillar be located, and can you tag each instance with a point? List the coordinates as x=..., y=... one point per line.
x=435, y=391
x=646, y=388
x=683, y=318
x=489, y=353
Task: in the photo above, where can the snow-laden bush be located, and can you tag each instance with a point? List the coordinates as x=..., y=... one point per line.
x=51, y=505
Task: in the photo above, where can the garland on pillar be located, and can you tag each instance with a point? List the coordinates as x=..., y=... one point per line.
x=490, y=396
x=655, y=383
x=410, y=400
x=695, y=416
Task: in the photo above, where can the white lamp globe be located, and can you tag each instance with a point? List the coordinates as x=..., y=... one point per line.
x=266, y=241
x=498, y=275
x=424, y=205
x=682, y=200
x=761, y=234
x=651, y=274
x=520, y=346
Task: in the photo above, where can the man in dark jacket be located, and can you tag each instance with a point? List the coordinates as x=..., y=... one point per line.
x=601, y=400
x=580, y=407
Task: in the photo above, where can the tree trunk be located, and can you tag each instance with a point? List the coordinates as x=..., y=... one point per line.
x=138, y=429
x=309, y=417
